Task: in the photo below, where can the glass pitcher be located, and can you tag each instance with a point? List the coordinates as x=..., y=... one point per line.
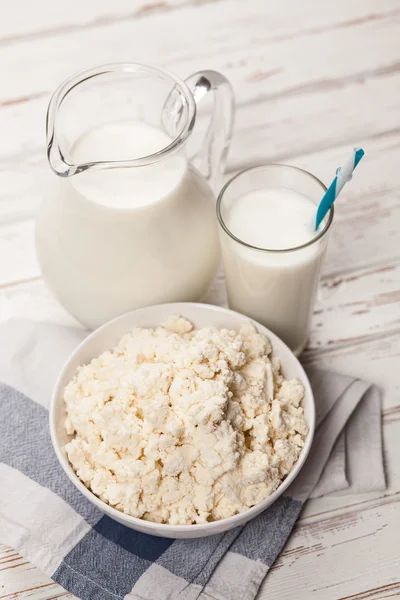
x=129, y=218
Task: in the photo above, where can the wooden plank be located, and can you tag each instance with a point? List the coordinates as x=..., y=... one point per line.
x=374, y=359
x=316, y=563
x=365, y=303
x=280, y=129
x=241, y=45
x=35, y=584
x=24, y=21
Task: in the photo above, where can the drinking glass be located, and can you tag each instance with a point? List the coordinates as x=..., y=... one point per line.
x=275, y=287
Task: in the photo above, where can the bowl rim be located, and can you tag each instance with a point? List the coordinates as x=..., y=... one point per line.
x=168, y=529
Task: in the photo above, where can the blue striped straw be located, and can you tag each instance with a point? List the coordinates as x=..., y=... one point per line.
x=343, y=175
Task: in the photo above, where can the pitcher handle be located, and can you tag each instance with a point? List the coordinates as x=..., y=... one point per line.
x=211, y=158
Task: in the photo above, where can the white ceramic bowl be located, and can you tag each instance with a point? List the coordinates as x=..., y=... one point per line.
x=202, y=315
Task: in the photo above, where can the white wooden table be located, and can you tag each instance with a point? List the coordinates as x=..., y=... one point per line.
x=311, y=80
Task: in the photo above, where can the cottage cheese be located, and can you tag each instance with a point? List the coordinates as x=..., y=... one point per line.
x=177, y=425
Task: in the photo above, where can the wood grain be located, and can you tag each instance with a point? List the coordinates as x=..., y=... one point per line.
x=311, y=81
x=40, y=22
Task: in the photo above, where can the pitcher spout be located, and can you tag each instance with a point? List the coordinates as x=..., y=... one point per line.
x=108, y=93
x=59, y=163
x=134, y=92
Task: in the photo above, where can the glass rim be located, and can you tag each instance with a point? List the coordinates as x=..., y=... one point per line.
x=221, y=221
x=124, y=67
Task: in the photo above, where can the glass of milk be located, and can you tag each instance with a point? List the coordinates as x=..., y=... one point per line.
x=271, y=252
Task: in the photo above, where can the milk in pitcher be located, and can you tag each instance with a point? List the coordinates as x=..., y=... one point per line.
x=112, y=240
